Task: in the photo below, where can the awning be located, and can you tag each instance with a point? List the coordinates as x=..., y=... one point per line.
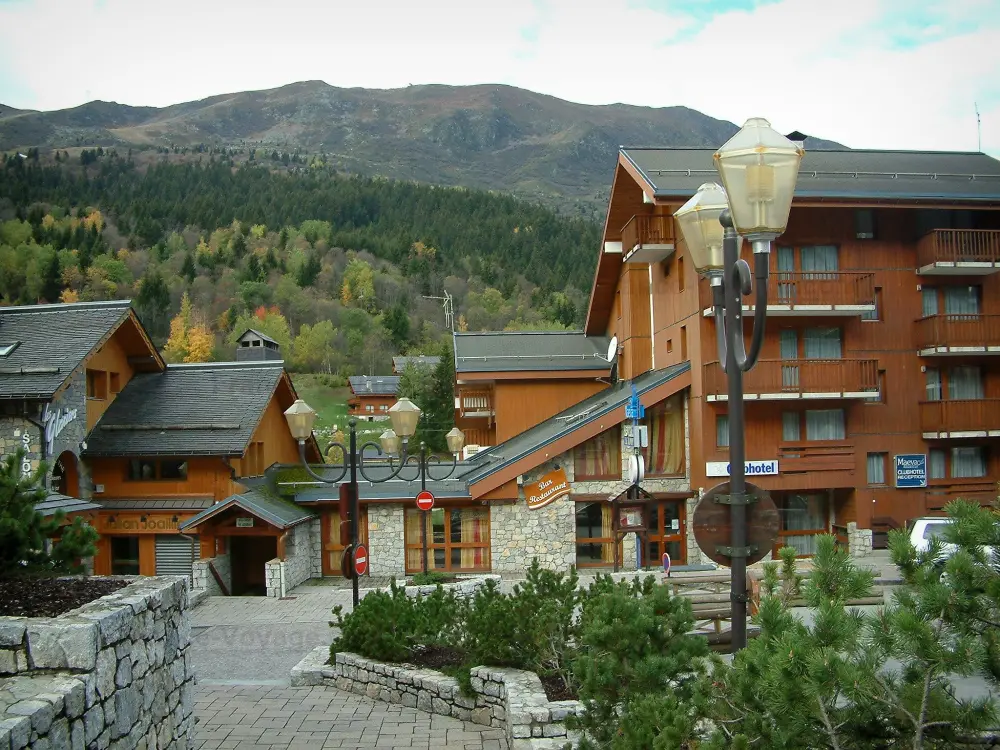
x=180, y=504
x=56, y=502
x=280, y=513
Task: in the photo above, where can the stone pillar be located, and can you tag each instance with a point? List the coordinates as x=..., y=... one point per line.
x=386, y=542
x=519, y=534
x=859, y=541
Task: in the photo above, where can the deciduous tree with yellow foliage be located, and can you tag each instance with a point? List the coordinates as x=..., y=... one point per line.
x=190, y=341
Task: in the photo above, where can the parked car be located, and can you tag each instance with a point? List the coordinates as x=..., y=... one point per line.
x=923, y=530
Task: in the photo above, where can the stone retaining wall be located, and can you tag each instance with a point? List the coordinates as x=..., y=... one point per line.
x=204, y=583
x=511, y=699
x=464, y=589
x=114, y=673
x=281, y=576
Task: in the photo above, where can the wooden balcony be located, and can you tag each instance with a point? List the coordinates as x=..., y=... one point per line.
x=940, y=492
x=958, y=335
x=474, y=404
x=648, y=239
x=959, y=252
x=785, y=379
x=972, y=418
x=826, y=294
x=815, y=455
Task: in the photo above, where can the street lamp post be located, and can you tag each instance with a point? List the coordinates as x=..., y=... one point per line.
x=759, y=168
x=393, y=442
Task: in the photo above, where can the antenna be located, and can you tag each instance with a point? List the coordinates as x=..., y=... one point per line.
x=979, y=126
x=449, y=309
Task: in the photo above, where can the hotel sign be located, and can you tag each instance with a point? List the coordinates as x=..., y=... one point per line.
x=547, y=489
x=752, y=468
x=911, y=470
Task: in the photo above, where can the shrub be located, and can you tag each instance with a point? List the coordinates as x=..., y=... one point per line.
x=429, y=578
x=492, y=633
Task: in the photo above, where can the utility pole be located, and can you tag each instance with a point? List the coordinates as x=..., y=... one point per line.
x=449, y=309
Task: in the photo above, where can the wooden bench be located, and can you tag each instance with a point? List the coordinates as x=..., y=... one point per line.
x=712, y=607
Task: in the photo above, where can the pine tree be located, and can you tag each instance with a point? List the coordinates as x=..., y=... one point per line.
x=52, y=279
x=25, y=534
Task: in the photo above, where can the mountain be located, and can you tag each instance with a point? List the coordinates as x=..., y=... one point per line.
x=487, y=136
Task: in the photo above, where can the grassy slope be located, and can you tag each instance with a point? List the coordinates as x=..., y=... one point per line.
x=331, y=408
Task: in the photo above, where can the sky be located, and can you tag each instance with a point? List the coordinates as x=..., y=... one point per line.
x=905, y=74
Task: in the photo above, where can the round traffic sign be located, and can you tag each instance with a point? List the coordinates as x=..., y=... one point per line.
x=425, y=500
x=713, y=527
x=360, y=560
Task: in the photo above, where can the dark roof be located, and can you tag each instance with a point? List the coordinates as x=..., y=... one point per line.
x=160, y=503
x=374, y=385
x=188, y=410
x=399, y=363
x=395, y=489
x=52, y=341
x=56, y=502
x=525, y=351
x=899, y=175
x=491, y=460
x=277, y=511
x=258, y=334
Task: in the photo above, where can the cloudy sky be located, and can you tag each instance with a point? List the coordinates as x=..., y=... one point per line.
x=867, y=73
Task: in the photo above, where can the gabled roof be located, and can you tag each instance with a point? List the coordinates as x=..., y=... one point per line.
x=374, y=385
x=590, y=410
x=530, y=351
x=258, y=334
x=847, y=175
x=399, y=363
x=186, y=504
x=187, y=410
x=56, y=502
x=51, y=342
x=280, y=513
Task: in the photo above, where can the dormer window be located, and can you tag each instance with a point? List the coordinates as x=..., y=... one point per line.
x=6, y=349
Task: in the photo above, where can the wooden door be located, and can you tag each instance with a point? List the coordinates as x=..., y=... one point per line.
x=336, y=536
x=667, y=532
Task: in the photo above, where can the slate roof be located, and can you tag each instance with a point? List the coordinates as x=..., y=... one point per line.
x=399, y=363
x=188, y=410
x=56, y=502
x=310, y=491
x=491, y=460
x=52, y=341
x=258, y=334
x=374, y=385
x=526, y=351
x=855, y=174
x=276, y=511
x=186, y=504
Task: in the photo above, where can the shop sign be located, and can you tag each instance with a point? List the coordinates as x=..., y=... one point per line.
x=55, y=420
x=630, y=518
x=549, y=488
x=752, y=468
x=911, y=470
x=136, y=523
x=244, y=523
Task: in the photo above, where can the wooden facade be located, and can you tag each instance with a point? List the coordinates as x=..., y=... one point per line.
x=874, y=302
x=370, y=405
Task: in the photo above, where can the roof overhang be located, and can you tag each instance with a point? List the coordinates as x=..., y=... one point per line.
x=240, y=502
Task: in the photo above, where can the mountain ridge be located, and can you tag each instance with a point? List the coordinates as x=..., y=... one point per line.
x=487, y=136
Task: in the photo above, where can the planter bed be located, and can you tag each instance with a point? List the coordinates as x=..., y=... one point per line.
x=511, y=699
x=464, y=587
x=50, y=597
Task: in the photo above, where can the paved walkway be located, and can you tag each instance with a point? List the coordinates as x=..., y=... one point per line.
x=243, y=650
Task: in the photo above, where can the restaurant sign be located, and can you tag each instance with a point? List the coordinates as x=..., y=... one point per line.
x=548, y=488
x=133, y=523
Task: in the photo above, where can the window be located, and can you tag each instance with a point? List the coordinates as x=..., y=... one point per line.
x=819, y=261
x=722, y=430
x=125, y=555
x=458, y=539
x=369, y=408
x=173, y=469
x=600, y=457
x=666, y=532
x=968, y=461
x=929, y=300
x=876, y=468
x=825, y=424
x=6, y=349
x=680, y=274
x=116, y=382
x=961, y=300
x=802, y=518
x=97, y=384
x=822, y=343
x=141, y=470
x=594, y=534
x=965, y=383
x=684, y=342
x=875, y=313
x=791, y=431
x=932, y=383
x=786, y=267
x=670, y=345
x=665, y=454
x=864, y=223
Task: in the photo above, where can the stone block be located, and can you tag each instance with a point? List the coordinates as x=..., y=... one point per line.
x=482, y=716
x=424, y=701
x=8, y=662
x=409, y=700
x=74, y=696
x=554, y=730
x=41, y=714
x=113, y=625
x=93, y=724
x=520, y=731
x=17, y=730
x=128, y=702
x=59, y=734
x=109, y=714
x=62, y=645
x=77, y=735
x=123, y=675
x=11, y=632
x=104, y=673
x=440, y=706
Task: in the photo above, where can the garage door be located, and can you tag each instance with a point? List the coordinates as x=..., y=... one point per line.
x=174, y=555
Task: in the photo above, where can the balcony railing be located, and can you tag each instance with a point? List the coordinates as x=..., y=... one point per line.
x=966, y=251
x=964, y=418
x=799, y=378
x=940, y=492
x=648, y=238
x=813, y=293
x=958, y=334
x=815, y=455
x=475, y=403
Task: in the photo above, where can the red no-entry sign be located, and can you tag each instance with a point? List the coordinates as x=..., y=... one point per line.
x=360, y=560
x=425, y=500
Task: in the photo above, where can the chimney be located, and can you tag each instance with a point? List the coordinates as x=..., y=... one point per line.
x=799, y=139
x=254, y=346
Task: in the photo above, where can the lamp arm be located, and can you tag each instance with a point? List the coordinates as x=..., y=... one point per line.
x=313, y=474
x=437, y=461
x=395, y=471
x=406, y=458
x=719, y=303
x=760, y=275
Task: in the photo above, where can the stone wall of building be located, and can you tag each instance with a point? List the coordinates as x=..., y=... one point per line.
x=115, y=673
x=281, y=576
x=316, y=544
x=511, y=699
x=204, y=583
x=859, y=541
x=386, y=543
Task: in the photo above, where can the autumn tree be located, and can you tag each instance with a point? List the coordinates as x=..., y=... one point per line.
x=359, y=285
x=267, y=320
x=190, y=339
x=313, y=347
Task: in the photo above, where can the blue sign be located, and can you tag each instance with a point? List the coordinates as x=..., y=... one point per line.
x=634, y=408
x=911, y=470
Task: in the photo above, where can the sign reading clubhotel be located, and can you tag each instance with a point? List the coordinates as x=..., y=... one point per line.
x=550, y=487
x=753, y=468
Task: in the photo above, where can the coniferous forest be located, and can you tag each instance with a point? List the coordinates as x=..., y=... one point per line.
x=341, y=270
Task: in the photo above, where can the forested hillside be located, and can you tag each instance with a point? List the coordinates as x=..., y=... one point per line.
x=335, y=267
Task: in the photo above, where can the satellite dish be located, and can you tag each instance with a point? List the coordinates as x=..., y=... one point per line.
x=612, y=349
